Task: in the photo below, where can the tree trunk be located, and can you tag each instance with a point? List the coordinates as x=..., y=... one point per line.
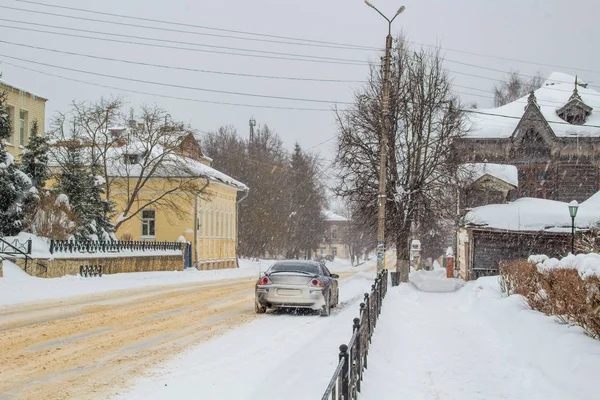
x=403, y=255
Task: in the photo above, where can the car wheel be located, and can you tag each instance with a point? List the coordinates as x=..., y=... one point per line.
x=259, y=309
x=326, y=310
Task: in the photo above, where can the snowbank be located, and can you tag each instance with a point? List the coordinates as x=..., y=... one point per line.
x=585, y=264
x=18, y=287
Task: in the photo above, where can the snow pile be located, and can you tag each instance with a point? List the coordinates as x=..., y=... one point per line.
x=434, y=281
x=554, y=94
x=531, y=214
x=12, y=273
x=473, y=171
x=585, y=264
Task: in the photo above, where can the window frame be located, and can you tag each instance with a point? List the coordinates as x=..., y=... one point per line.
x=149, y=223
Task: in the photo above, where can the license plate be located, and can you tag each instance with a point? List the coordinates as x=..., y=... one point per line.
x=289, y=292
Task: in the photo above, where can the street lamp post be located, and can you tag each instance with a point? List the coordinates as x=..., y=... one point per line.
x=385, y=115
x=573, y=207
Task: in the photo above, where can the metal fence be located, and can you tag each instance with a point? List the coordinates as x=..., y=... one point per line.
x=90, y=270
x=345, y=383
x=15, y=247
x=110, y=246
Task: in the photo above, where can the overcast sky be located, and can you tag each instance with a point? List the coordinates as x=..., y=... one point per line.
x=557, y=34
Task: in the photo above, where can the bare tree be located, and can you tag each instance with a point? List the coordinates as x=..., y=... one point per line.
x=142, y=166
x=425, y=120
x=515, y=87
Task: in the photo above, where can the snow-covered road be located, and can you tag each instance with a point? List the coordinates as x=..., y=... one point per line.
x=473, y=344
x=277, y=356
x=97, y=345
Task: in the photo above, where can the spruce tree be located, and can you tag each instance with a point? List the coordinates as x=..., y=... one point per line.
x=34, y=161
x=85, y=193
x=14, y=184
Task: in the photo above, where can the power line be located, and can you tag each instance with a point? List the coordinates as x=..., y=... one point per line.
x=319, y=42
x=185, y=43
x=344, y=46
x=519, y=118
x=120, y=60
x=168, y=29
x=317, y=59
x=310, y=42
x=312, y=59
x=164, y=96
x=178, y=86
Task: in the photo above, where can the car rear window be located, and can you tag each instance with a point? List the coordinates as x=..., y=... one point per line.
x=281, y=267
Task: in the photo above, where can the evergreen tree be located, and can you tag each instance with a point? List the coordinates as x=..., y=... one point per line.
x=306, y=223
x=34, y=161
x=84, y=190
x=14, y=184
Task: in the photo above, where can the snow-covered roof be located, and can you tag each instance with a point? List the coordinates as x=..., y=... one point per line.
x=172, y=165
x=474, y=171
x=531, y=214
x=556, y=91
x=21, y=90
x=331, y=216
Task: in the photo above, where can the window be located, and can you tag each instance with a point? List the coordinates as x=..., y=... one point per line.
x=334, y=232
x=523, y=175
x=148, y=223
x=131, y=158
x=22, y=115
x=334, y=251
x=543, y=175
x=322, y=251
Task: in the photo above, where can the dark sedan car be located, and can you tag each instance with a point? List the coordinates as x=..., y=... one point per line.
x=297, y=284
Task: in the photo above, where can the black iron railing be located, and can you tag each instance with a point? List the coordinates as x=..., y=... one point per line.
x=345, y=383
x=15, y=247
x=110, y=246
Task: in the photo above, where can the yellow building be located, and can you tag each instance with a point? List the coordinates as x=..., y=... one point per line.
x=23, y=108
x=210, y=222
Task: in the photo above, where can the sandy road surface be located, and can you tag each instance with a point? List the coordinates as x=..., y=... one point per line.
x=91, y=347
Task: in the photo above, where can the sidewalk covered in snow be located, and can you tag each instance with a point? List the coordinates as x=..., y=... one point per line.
x=473, y=343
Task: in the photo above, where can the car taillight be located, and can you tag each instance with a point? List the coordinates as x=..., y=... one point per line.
x=264, y=281
x=316, y=283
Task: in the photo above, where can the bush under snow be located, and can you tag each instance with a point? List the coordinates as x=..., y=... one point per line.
x=587, y=265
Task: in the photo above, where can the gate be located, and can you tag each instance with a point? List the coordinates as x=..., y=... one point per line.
x=187, y=256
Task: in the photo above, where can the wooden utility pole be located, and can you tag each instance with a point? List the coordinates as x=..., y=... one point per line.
x=385, y=115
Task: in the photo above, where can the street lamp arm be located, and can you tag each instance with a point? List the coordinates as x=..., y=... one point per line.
x=380, y=13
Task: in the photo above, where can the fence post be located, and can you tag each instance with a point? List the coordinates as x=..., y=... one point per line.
x=345, y=392
x=357, y=354
x=368, y=308
x=364, y=313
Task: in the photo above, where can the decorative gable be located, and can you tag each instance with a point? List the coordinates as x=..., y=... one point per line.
x=533, y=137
x=575, y=111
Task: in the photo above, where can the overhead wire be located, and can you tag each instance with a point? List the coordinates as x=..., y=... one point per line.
x=161, y=29
x=122, y=60
x=258, y=106
x=178, y=86
x=317, y=42
x=344, y=45
x=311, y=59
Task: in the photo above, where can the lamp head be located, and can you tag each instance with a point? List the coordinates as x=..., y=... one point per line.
x=573, y=207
